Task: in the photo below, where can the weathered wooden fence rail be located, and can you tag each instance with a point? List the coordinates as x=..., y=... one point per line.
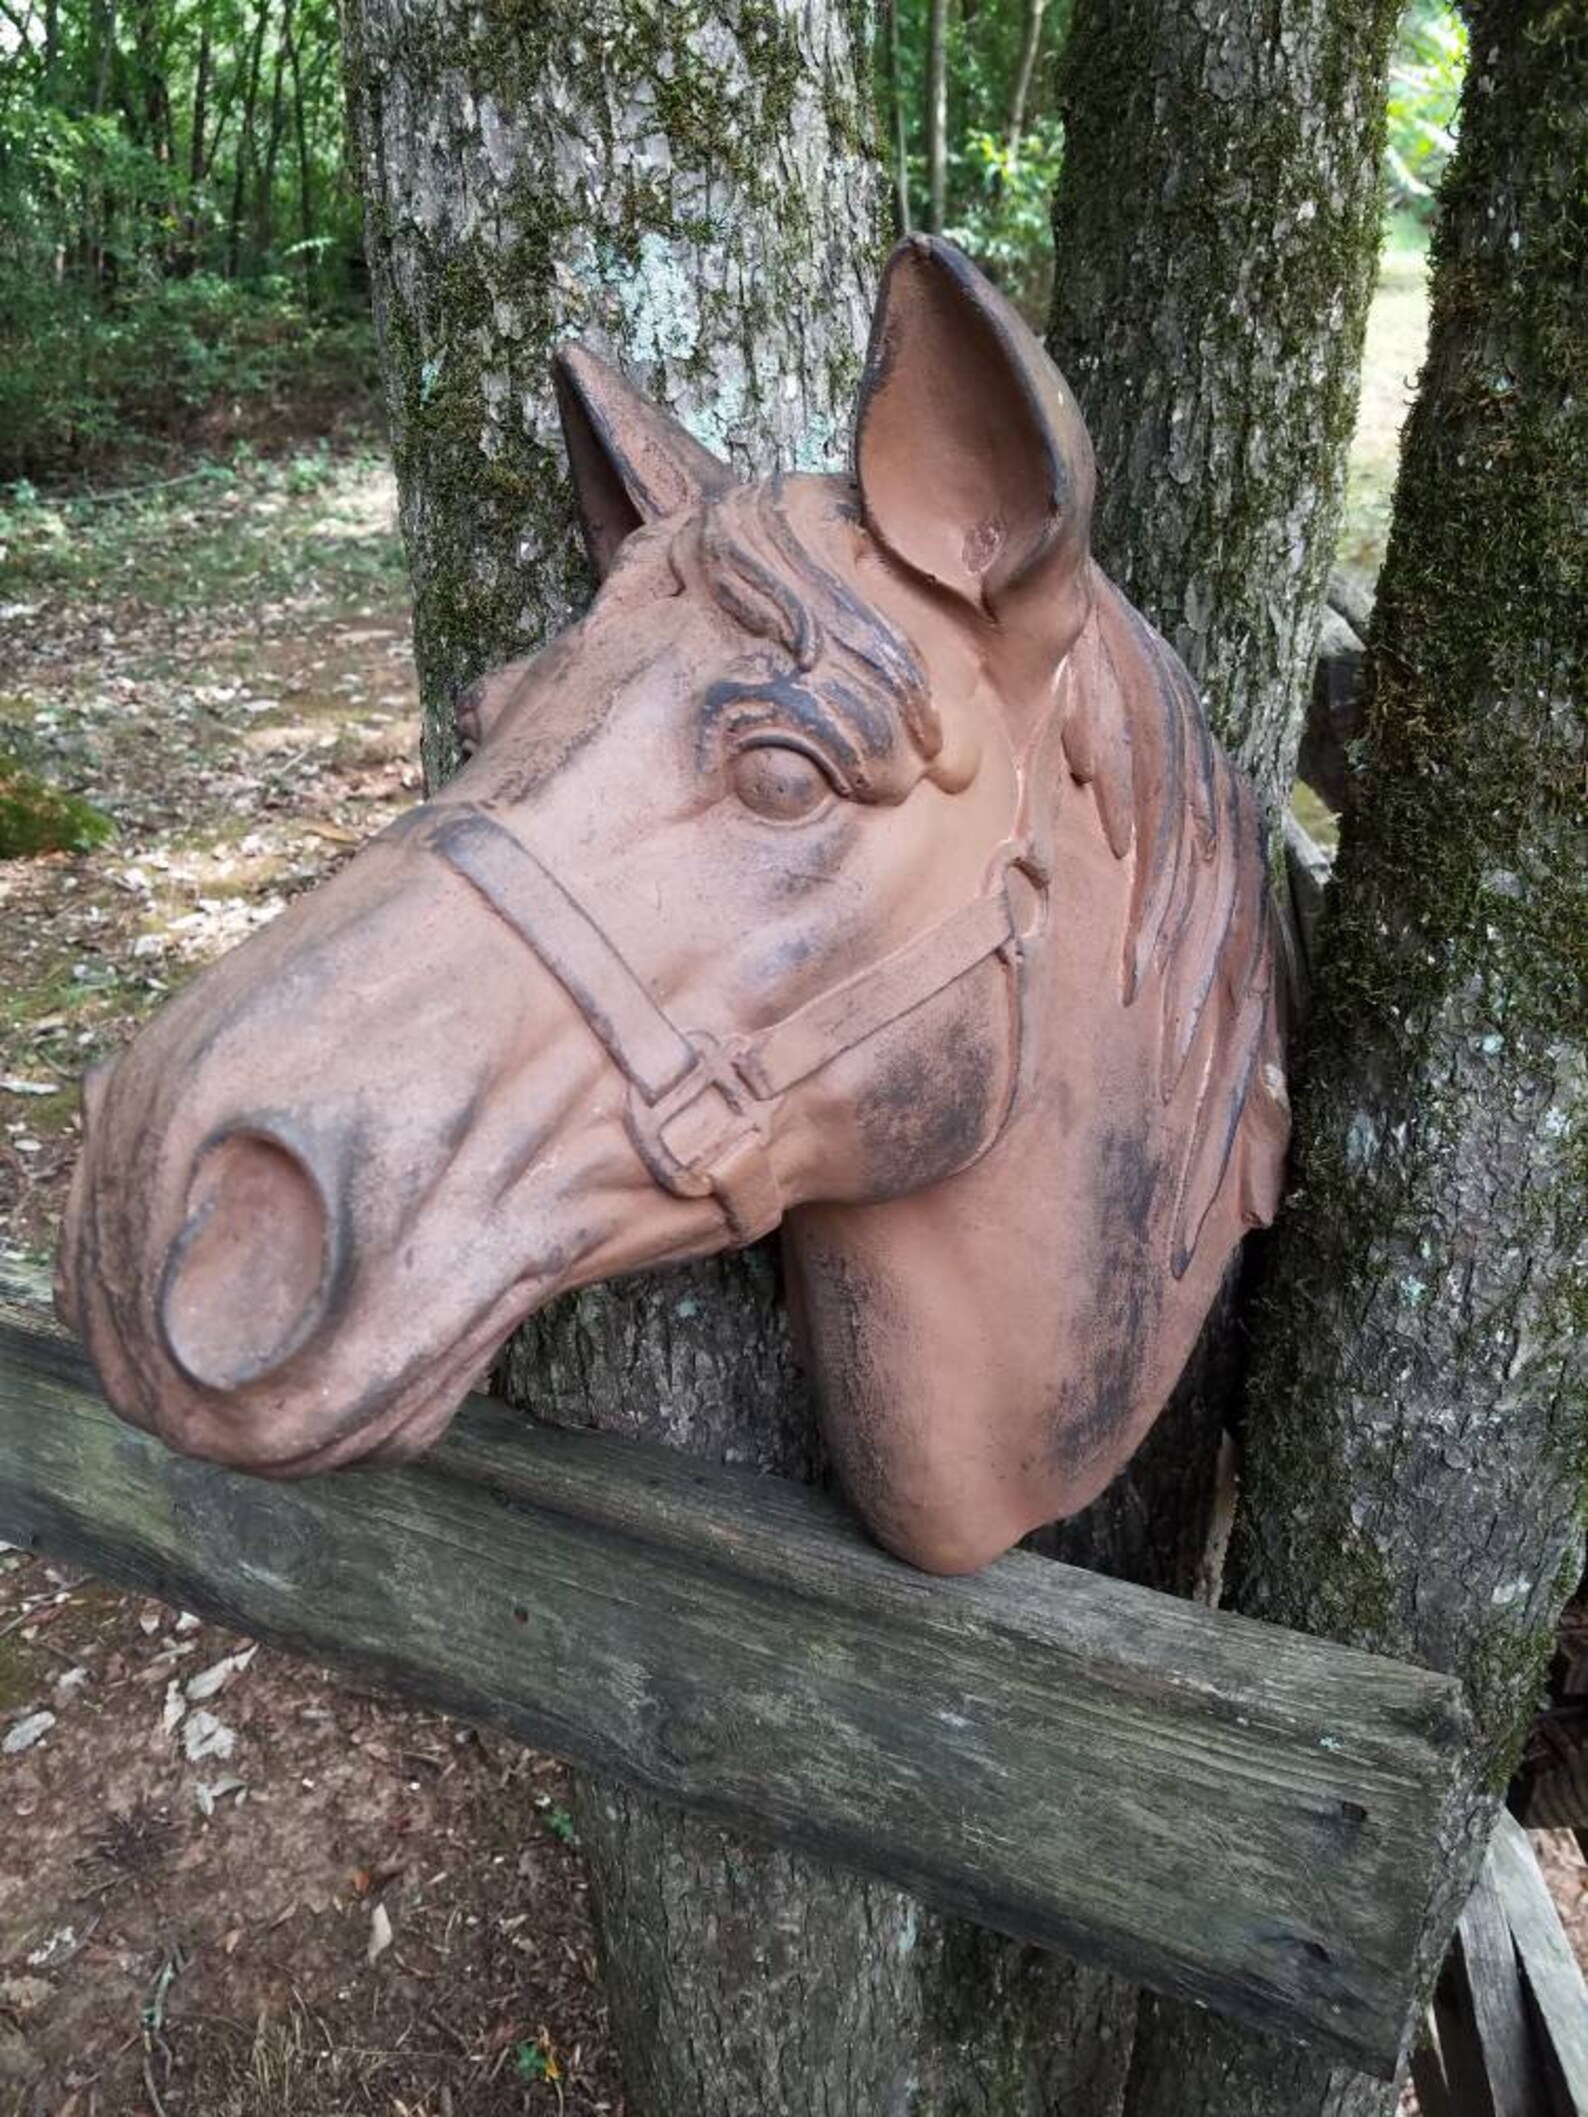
x=1225, y=1811
x=1510, y=2016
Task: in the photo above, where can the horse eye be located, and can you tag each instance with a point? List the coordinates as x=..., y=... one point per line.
x=781, y=784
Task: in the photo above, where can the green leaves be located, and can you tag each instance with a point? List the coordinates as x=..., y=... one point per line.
x=1425, y=90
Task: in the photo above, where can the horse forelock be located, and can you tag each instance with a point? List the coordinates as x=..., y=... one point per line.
x=866, y=677
x=1198, y=959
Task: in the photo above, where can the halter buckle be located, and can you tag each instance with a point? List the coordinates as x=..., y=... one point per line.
x=699, y=1149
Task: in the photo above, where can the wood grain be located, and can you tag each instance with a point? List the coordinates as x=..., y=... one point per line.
x=1228, y=1812
x=1549, y=1966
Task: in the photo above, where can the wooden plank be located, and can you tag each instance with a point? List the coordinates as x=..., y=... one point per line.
x=1513, y=2081
x=1549, y=1965
x=1228, y=1812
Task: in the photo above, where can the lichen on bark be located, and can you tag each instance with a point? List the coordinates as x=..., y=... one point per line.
x=689, y=186
x=1216, y=236
x=1417, y=1427
x=675, y=183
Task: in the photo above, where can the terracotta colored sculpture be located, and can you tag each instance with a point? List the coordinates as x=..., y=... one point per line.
x=861, y=862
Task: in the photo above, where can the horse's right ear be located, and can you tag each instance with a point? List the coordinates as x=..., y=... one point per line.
x=631, y=463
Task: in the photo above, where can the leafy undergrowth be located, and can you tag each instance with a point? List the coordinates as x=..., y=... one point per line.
x=324, y=1902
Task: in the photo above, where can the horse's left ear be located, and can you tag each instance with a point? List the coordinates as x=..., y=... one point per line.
x=631, y=462
x=974, y=464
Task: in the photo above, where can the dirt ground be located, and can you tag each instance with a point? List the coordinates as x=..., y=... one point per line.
x=229, y=1884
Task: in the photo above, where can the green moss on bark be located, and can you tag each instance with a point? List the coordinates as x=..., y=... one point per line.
x=1209, y=314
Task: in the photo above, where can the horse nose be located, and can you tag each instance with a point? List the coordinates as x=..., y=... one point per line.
x=248, y=1279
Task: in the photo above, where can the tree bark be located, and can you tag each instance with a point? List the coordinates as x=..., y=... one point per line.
x=1209, y=316
x=1419, y=1399
x=897, y=132
x=245, y=140
x=936, y=114
x=696, y=194
x=1209, y=313
x=1025, y=70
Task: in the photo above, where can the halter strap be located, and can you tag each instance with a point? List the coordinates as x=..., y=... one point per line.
x=697, y=1108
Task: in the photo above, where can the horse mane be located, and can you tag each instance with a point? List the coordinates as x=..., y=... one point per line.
x=867, y=682
x=1199, y=946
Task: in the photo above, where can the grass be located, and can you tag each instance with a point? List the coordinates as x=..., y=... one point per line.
x=243, y=527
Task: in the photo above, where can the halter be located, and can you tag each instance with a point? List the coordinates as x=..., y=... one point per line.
x=700, y=1108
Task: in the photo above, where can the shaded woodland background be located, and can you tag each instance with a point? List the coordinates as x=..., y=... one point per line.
x=207, y=699
x=180, y=240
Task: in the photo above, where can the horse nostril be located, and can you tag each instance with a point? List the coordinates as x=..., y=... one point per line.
x=248, y=1277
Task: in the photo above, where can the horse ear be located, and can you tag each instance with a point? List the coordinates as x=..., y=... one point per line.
x=973, y=461
x=631, y=463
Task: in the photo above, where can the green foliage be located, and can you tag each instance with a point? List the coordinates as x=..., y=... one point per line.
x=80, y=376
x=999, y=189
x=534, y=2061
x=560, y=1823
x=36, y=817
x=1006, y=215
x=1426, y=71
x=175, y=219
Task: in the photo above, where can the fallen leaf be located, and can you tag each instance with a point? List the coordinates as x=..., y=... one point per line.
x=209, y=1791
x=218, y=1675
x=379, y=1932
x=61, y=1945
x=205, y=1736
x=22, y=1734
x=23, y=1994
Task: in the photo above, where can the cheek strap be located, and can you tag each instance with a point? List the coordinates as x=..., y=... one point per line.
x=699, y=1109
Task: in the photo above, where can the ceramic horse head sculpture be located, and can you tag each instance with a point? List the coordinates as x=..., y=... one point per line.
x=861, y=863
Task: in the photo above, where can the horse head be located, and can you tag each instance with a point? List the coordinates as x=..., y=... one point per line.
x=860, y=863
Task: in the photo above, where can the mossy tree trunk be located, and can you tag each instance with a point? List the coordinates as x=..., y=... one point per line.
x=1216, y=230
x=1209, y=313
x=692, y=186
x=1418, y=1424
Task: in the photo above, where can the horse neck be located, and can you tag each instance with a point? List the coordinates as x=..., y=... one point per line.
x=990, y=1351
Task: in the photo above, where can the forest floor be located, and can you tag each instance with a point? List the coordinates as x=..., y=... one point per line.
x=232, y=1885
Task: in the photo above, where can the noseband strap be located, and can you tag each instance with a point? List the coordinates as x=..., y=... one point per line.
x=699, y=1109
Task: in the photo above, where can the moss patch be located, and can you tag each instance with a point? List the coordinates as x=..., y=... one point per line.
x=36, y=817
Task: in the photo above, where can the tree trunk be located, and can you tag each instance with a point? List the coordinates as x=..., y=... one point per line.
x=245, y=140
x=1419, y=1401
x=1208, y=314
x=1220, y=406
x=696, y=195
x=300, y=127
x=201, y=85
x=265, y=203
x=936, y=114
x=897, y=132
x=1025, y=70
